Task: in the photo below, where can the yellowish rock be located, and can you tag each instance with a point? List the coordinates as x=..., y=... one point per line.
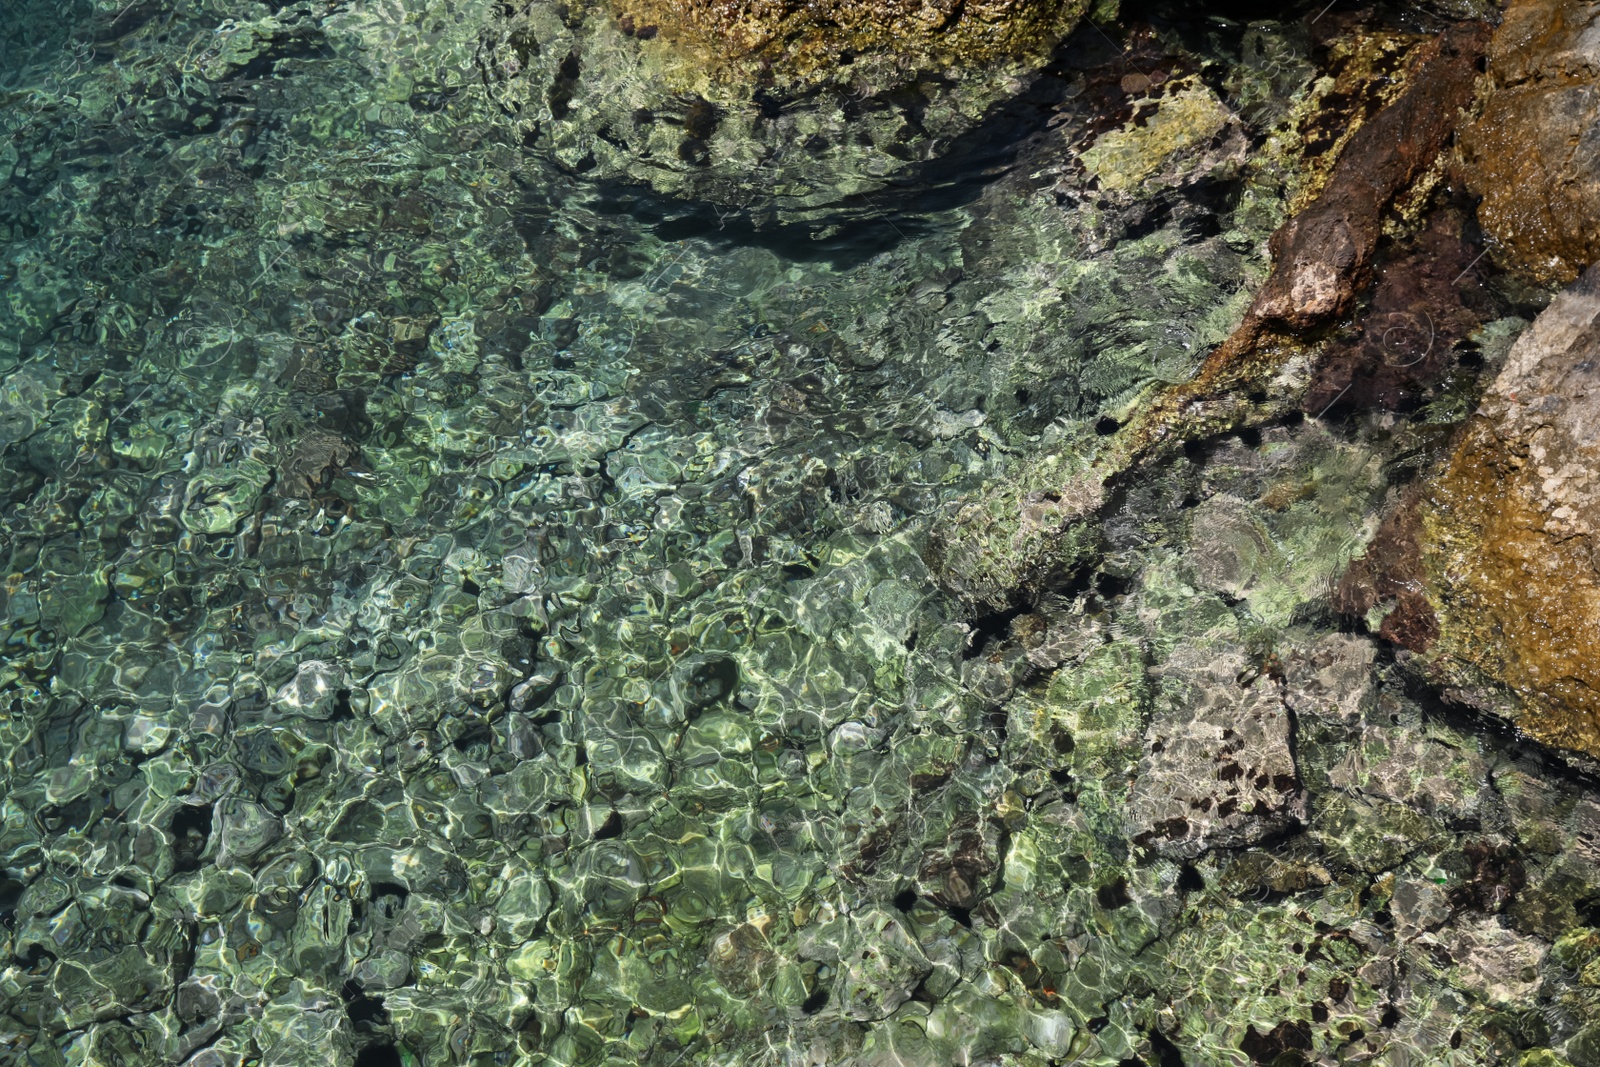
x=1187, y=117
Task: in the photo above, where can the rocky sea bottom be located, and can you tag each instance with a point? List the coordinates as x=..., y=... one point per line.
x=462, y=609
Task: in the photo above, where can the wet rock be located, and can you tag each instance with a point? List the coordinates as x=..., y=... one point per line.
x=762, y=792
x=742, y=959
x=385, y=970
x=1419, y=905
x=882, y=967
x=1185, y=120
x=1321, y=256
x=1562, y=878
x=1384, y=586
x=1371, y=835
x=129, y=981
x=315, y=457
x=231, y=469
x=1499, y=965
x=24, y=395
x=247, y=828
x=1425, y=303
x=1509, y=532
x=1259, y=873
x=198, y=1000
x=799, y=47
x=1041, y=525
x=1051, y=1032
x=523, y=904
x=314, y=691
x=308, y=1028
x=1533, y=154
x=1441, y=775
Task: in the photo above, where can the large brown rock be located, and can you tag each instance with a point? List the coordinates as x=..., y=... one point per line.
x=1492, y=575
x=1533, y=154
x=1321, y=257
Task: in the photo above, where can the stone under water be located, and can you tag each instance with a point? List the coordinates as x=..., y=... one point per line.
x=729, y=533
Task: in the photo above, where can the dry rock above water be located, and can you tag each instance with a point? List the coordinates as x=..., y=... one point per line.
x=1503, y=544
x=832, y=41
x=1533, y=154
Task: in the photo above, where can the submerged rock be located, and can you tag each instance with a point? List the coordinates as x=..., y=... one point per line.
x=1041, y=523
x=768, y=112
x=454, y=619
x=1218, y=769
x=1180, y=124
x=1533, y=154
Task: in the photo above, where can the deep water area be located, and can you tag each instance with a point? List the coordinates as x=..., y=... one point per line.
x=478, y=584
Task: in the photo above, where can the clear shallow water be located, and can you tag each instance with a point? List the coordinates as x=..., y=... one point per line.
x=458, y=610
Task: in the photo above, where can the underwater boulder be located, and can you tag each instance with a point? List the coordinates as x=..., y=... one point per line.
x=782, y=112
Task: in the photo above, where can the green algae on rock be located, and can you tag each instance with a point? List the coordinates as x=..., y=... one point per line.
x=1186, y=118
x=792, y=47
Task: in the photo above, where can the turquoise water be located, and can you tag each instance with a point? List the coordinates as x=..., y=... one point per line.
x=465, y=603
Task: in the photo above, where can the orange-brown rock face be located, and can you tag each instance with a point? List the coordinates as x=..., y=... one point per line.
x=1534, y=152
x=799, y=43
x=1513, y=527
x=1494, y=573
x=1321, y=256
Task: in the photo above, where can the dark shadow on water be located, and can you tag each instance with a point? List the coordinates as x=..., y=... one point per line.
x=379, y=1056
x=844, y=239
